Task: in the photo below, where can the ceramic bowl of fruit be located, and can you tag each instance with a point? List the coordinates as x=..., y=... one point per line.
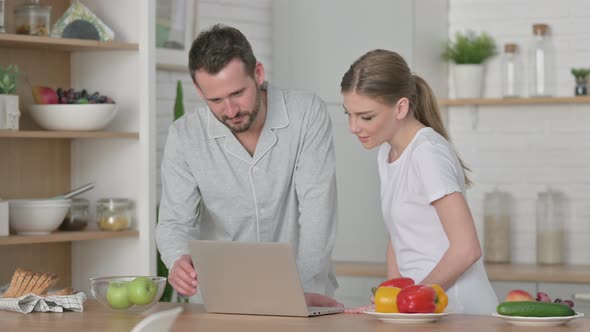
x=71, y=110
x=130, y=294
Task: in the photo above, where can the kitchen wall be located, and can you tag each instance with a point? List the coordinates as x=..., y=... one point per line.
x=252, y=17
x=523, y=149
x=518, y=149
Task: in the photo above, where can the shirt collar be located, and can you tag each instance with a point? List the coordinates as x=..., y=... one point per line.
x=276, y=114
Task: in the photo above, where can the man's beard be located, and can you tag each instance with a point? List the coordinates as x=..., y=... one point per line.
x=240, y=128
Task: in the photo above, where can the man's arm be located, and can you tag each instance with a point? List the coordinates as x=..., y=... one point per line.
x=315, y=185
x=177, y=215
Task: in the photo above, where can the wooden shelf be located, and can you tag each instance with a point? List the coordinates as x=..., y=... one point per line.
x=63, y=236
x=175, y=68
x=516, y=101
x=62, y=44
x=66, y=134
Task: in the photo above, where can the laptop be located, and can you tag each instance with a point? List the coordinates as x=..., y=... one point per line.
x=254, y=278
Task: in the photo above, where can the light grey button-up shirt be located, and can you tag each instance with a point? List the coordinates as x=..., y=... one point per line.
x=214, y=189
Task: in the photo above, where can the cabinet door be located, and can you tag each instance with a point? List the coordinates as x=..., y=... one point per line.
x=579, y=293
x=503, y=287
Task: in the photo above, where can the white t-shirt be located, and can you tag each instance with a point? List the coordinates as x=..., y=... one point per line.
x=428, y=169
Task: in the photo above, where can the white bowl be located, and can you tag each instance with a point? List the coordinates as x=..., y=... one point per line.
x=76, y=117
x=37, y=217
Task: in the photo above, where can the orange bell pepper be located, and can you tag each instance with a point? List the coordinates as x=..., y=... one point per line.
x=386, y=299
x=442, y=300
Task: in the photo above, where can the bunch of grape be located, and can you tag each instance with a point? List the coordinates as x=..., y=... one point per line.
x=72, y=96
x=543, y=297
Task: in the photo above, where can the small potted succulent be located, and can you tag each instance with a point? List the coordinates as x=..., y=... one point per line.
x=581, y=76
x=9, y=112
x=468, y=52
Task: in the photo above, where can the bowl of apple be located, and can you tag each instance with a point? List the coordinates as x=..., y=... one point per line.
x=130, y=294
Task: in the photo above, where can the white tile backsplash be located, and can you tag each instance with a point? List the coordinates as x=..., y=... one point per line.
x=523, y=149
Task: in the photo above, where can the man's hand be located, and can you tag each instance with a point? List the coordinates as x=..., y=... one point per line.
x=183, y=277
x=319, y=300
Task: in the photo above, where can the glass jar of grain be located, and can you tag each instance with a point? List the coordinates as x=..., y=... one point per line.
x=497, y=227
x=114, y=214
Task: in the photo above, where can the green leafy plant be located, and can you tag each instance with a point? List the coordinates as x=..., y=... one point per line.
x=581, y=73
x=178, y=105
x=8, y=78
x=469, y=48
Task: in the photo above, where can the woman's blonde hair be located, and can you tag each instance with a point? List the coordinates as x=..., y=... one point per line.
x=385, y=76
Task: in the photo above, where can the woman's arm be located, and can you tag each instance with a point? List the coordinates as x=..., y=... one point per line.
x=464, y=248
x=392, y=269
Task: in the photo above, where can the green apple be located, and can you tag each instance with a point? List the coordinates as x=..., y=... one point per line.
x=142, y=290
x=117, y=295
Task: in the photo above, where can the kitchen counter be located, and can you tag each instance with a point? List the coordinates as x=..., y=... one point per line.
x=496, y=272
x=98, y=318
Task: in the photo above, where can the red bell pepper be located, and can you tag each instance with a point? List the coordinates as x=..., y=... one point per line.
x=397, y=282
x=417, y=299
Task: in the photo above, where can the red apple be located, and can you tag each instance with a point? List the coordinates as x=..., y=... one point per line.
x=44, y=95
x=519, y=295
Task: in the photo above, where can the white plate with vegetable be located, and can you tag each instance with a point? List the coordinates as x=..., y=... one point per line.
x=406, y=318
x=538, y=321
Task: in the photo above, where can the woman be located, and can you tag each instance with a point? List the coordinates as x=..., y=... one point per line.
x=432, y=234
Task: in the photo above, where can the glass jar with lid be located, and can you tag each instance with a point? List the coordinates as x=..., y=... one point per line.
x=114, y=214
x=511, y=71
x=78, y=216
x=551, y=216
x=542, y=66
x=32, y=18
x=497, y=227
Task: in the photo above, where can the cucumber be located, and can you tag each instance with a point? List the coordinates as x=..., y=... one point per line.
x=534, y=309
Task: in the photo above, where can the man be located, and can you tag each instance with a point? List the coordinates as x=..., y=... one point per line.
x=256, y=165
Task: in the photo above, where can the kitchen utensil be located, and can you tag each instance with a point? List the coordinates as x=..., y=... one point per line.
x=76, y=191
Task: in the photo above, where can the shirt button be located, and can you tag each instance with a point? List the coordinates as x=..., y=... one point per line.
x=262, y=211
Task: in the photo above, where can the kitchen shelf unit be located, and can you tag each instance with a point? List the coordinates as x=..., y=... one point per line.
x=515, y=101
x=120, y=159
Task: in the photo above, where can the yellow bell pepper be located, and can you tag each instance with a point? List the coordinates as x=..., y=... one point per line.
x=442, y=300
x=386, y=299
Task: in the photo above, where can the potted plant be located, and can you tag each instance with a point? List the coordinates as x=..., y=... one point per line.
x=9, y=113
x=468, y=52
x=581, y=76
